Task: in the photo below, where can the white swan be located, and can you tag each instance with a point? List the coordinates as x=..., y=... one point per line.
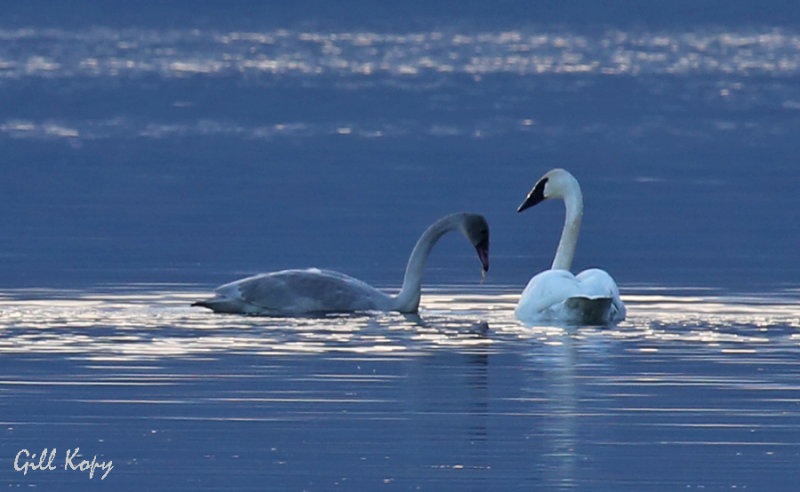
x=314, y=291
x=556, y=295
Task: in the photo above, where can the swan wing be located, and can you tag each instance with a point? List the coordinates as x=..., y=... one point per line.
x=290, y=292
x=545, y=290
x=595, y=282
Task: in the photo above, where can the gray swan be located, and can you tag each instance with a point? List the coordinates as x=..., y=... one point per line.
x=314, y=291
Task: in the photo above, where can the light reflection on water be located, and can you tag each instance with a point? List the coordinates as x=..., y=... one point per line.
x=695, y=389
x=131, y=325
x=405, y=62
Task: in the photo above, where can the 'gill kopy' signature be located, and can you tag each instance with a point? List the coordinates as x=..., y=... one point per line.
x=26, y=461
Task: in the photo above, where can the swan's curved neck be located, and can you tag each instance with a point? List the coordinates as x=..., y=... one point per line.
x=407, y=300
x=573, y=201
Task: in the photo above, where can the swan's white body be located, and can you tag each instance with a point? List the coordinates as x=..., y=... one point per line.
x=314, y=291
x=556, y=295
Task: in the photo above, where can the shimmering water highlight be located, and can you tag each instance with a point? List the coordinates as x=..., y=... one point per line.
x=690, y=384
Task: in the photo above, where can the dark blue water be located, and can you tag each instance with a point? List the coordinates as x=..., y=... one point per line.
x=153, y=152
x=185, y=153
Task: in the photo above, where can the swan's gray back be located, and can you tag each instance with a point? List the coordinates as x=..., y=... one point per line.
x=304, y=291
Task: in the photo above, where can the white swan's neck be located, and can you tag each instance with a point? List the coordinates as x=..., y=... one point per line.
x=407, y=300
x=573, y=201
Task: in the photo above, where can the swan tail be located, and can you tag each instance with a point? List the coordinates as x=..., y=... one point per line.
x=220, y=304
x=205, y=304
x=591, y=310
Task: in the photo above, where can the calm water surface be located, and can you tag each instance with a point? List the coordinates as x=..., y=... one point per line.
x=153, y=152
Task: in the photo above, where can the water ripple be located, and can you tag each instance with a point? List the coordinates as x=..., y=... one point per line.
x=152, y=325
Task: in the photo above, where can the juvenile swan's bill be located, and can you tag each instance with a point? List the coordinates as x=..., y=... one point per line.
x=313, y=291
x=556, y=295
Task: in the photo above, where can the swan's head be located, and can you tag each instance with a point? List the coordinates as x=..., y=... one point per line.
x=556, y=183
x=476, y=229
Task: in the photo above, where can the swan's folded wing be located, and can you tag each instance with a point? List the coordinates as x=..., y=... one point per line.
x=595, y=283
x=545, y=290
x=304, y=291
